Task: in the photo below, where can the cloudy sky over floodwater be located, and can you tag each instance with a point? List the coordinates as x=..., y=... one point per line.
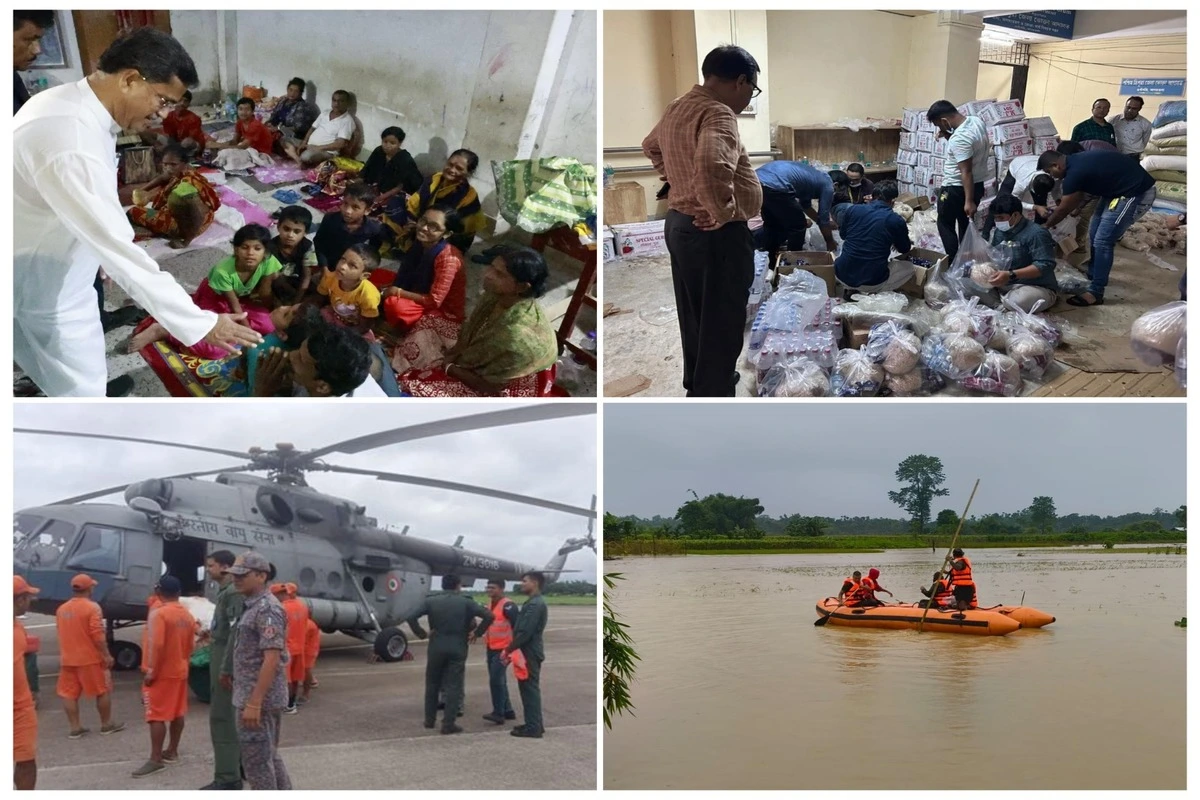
x=837, y=460
x=551, y=459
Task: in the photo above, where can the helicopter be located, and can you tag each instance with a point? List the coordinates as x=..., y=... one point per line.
x=357, y=577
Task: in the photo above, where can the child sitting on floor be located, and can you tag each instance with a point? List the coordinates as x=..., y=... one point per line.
x=349, y=226
x=391, y=171
x=250, y=131
x=245, y=276
x=294, y=250
x=182, y=126
x=353, y=300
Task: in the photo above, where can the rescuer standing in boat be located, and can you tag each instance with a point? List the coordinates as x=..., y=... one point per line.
x=964, y=584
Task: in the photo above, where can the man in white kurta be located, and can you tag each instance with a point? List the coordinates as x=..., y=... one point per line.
x=68, y=220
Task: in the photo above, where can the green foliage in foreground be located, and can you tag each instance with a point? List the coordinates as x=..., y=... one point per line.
x=620, y=659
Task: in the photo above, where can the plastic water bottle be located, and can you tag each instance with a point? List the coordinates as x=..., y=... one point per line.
x=588, y=345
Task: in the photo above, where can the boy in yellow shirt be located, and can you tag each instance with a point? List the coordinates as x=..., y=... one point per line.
x=353, y=300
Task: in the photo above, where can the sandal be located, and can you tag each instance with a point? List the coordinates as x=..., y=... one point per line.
x=1078, y=300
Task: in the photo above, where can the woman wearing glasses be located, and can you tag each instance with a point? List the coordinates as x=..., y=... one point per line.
x=67, y=214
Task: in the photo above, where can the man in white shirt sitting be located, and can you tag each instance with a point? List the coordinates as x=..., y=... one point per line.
x=1032, y=187
x=328, y=136
x=1131, y=128
x=68, y=219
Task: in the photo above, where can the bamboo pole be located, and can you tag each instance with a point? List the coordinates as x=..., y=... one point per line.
x=961, y=521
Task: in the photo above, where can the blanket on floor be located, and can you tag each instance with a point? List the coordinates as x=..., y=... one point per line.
x=252, y=212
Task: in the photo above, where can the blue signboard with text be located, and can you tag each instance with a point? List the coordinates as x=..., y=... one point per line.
x=1060, y=24
x=1157, y=87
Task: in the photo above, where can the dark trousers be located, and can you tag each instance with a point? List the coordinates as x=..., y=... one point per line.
x=712, y=272
x=222, y=725
x=784, y=223
x=952, y=219
x=444, y=674
x=531, y=694
x=99, y=284
x=498, y=683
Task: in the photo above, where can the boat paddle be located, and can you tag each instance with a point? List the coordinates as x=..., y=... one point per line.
x=950, y=552
x=823, y=621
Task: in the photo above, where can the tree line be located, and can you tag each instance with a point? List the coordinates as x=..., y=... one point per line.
x=722, y=516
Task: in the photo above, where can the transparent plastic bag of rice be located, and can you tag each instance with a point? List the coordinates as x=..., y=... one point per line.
x=998, y=374
x=855, y=375
x=797, y=378
x=1156, y=334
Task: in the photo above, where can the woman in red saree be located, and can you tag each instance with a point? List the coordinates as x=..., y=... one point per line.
x=183, y=202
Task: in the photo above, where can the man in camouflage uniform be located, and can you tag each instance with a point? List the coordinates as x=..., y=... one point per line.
x=222, y=723
x=450, y=617
x=259, y=676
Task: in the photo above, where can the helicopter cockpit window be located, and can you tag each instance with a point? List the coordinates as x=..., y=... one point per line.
x=274, y=508
x=25, y=524
x=48, y=546
x=99, y=550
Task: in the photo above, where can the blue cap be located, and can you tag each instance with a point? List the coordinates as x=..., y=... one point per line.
x=169, y=585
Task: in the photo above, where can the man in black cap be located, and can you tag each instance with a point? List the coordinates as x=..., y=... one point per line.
x=259, y=680
x=450, y=617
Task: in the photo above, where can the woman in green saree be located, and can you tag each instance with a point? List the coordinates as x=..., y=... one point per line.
x=500, y=349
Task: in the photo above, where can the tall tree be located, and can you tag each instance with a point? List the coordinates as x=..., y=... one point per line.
x=924, y=477
x=720, y=514
x=1181, y=515
x=1042, y=514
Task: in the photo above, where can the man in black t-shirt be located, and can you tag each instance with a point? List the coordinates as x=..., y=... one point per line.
x=1125, y=191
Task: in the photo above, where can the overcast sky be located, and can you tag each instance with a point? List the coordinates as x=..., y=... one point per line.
x=553, y=459
x=831, y=460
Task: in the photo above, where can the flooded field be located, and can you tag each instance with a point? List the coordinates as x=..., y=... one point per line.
x=738, y=690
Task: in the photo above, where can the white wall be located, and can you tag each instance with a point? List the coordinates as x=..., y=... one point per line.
x=197, y=32
x=74, y=70
x=570, y=123
x=994, y=82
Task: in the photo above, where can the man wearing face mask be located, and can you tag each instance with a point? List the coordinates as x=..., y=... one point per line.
x=962, y=177
x=66, y=215
x=695, y=148
x=1029, y=280
x=860, y=189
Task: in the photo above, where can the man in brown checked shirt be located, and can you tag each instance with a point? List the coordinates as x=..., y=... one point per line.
x=713, y=192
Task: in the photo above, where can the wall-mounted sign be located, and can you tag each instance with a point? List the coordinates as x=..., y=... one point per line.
x=1060, y=24
x=1158, y=87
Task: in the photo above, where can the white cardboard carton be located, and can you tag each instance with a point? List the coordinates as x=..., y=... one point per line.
x=1005, y=111
x=1011, y=149
x=610, y=246
x=1041, y=126
x=925, y=142
x=1043, y=144
x=1008, y=131
x=640, y=239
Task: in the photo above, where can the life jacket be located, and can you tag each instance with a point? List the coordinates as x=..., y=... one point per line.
x=499, y=634
x=867, y=588
x=942, y=591
x=856, y=593
x=961, y=577
x=520, y=666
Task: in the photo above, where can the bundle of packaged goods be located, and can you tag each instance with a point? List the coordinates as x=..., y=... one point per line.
x=1165, y=157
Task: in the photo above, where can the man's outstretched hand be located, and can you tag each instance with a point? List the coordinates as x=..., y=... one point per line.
x=231, y=334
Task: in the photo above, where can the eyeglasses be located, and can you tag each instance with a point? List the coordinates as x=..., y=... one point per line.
x=163, y=100
x=757, y=91
x=430, y=226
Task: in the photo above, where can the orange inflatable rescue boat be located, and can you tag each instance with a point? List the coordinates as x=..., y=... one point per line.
x=1028, y=617
x=975, y=622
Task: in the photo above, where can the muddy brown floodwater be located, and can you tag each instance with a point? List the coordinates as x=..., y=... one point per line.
x=738, y=690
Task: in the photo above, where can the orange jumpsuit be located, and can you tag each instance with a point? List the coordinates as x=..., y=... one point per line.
x=81, y=641
x=24, y=714
x=296, y=611
x=171, y=635
x=312, y=645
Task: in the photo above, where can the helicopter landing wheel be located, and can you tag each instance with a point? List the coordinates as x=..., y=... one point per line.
x=126, y=656
x=391, y=644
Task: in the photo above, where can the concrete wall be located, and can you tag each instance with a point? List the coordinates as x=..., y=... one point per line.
x=994, y=82
x=73, y=72
x=197, y=32
x=1063, y=86
x=831, y=64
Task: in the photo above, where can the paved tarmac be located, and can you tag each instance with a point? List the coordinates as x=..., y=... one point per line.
x=362, y=728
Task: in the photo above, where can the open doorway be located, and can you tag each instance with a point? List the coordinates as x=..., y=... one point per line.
x=184, y=559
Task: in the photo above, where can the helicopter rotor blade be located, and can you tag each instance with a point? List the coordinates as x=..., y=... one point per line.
x=230, y=453
x=434, y=483
x=121, y=487
x=442, y=427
